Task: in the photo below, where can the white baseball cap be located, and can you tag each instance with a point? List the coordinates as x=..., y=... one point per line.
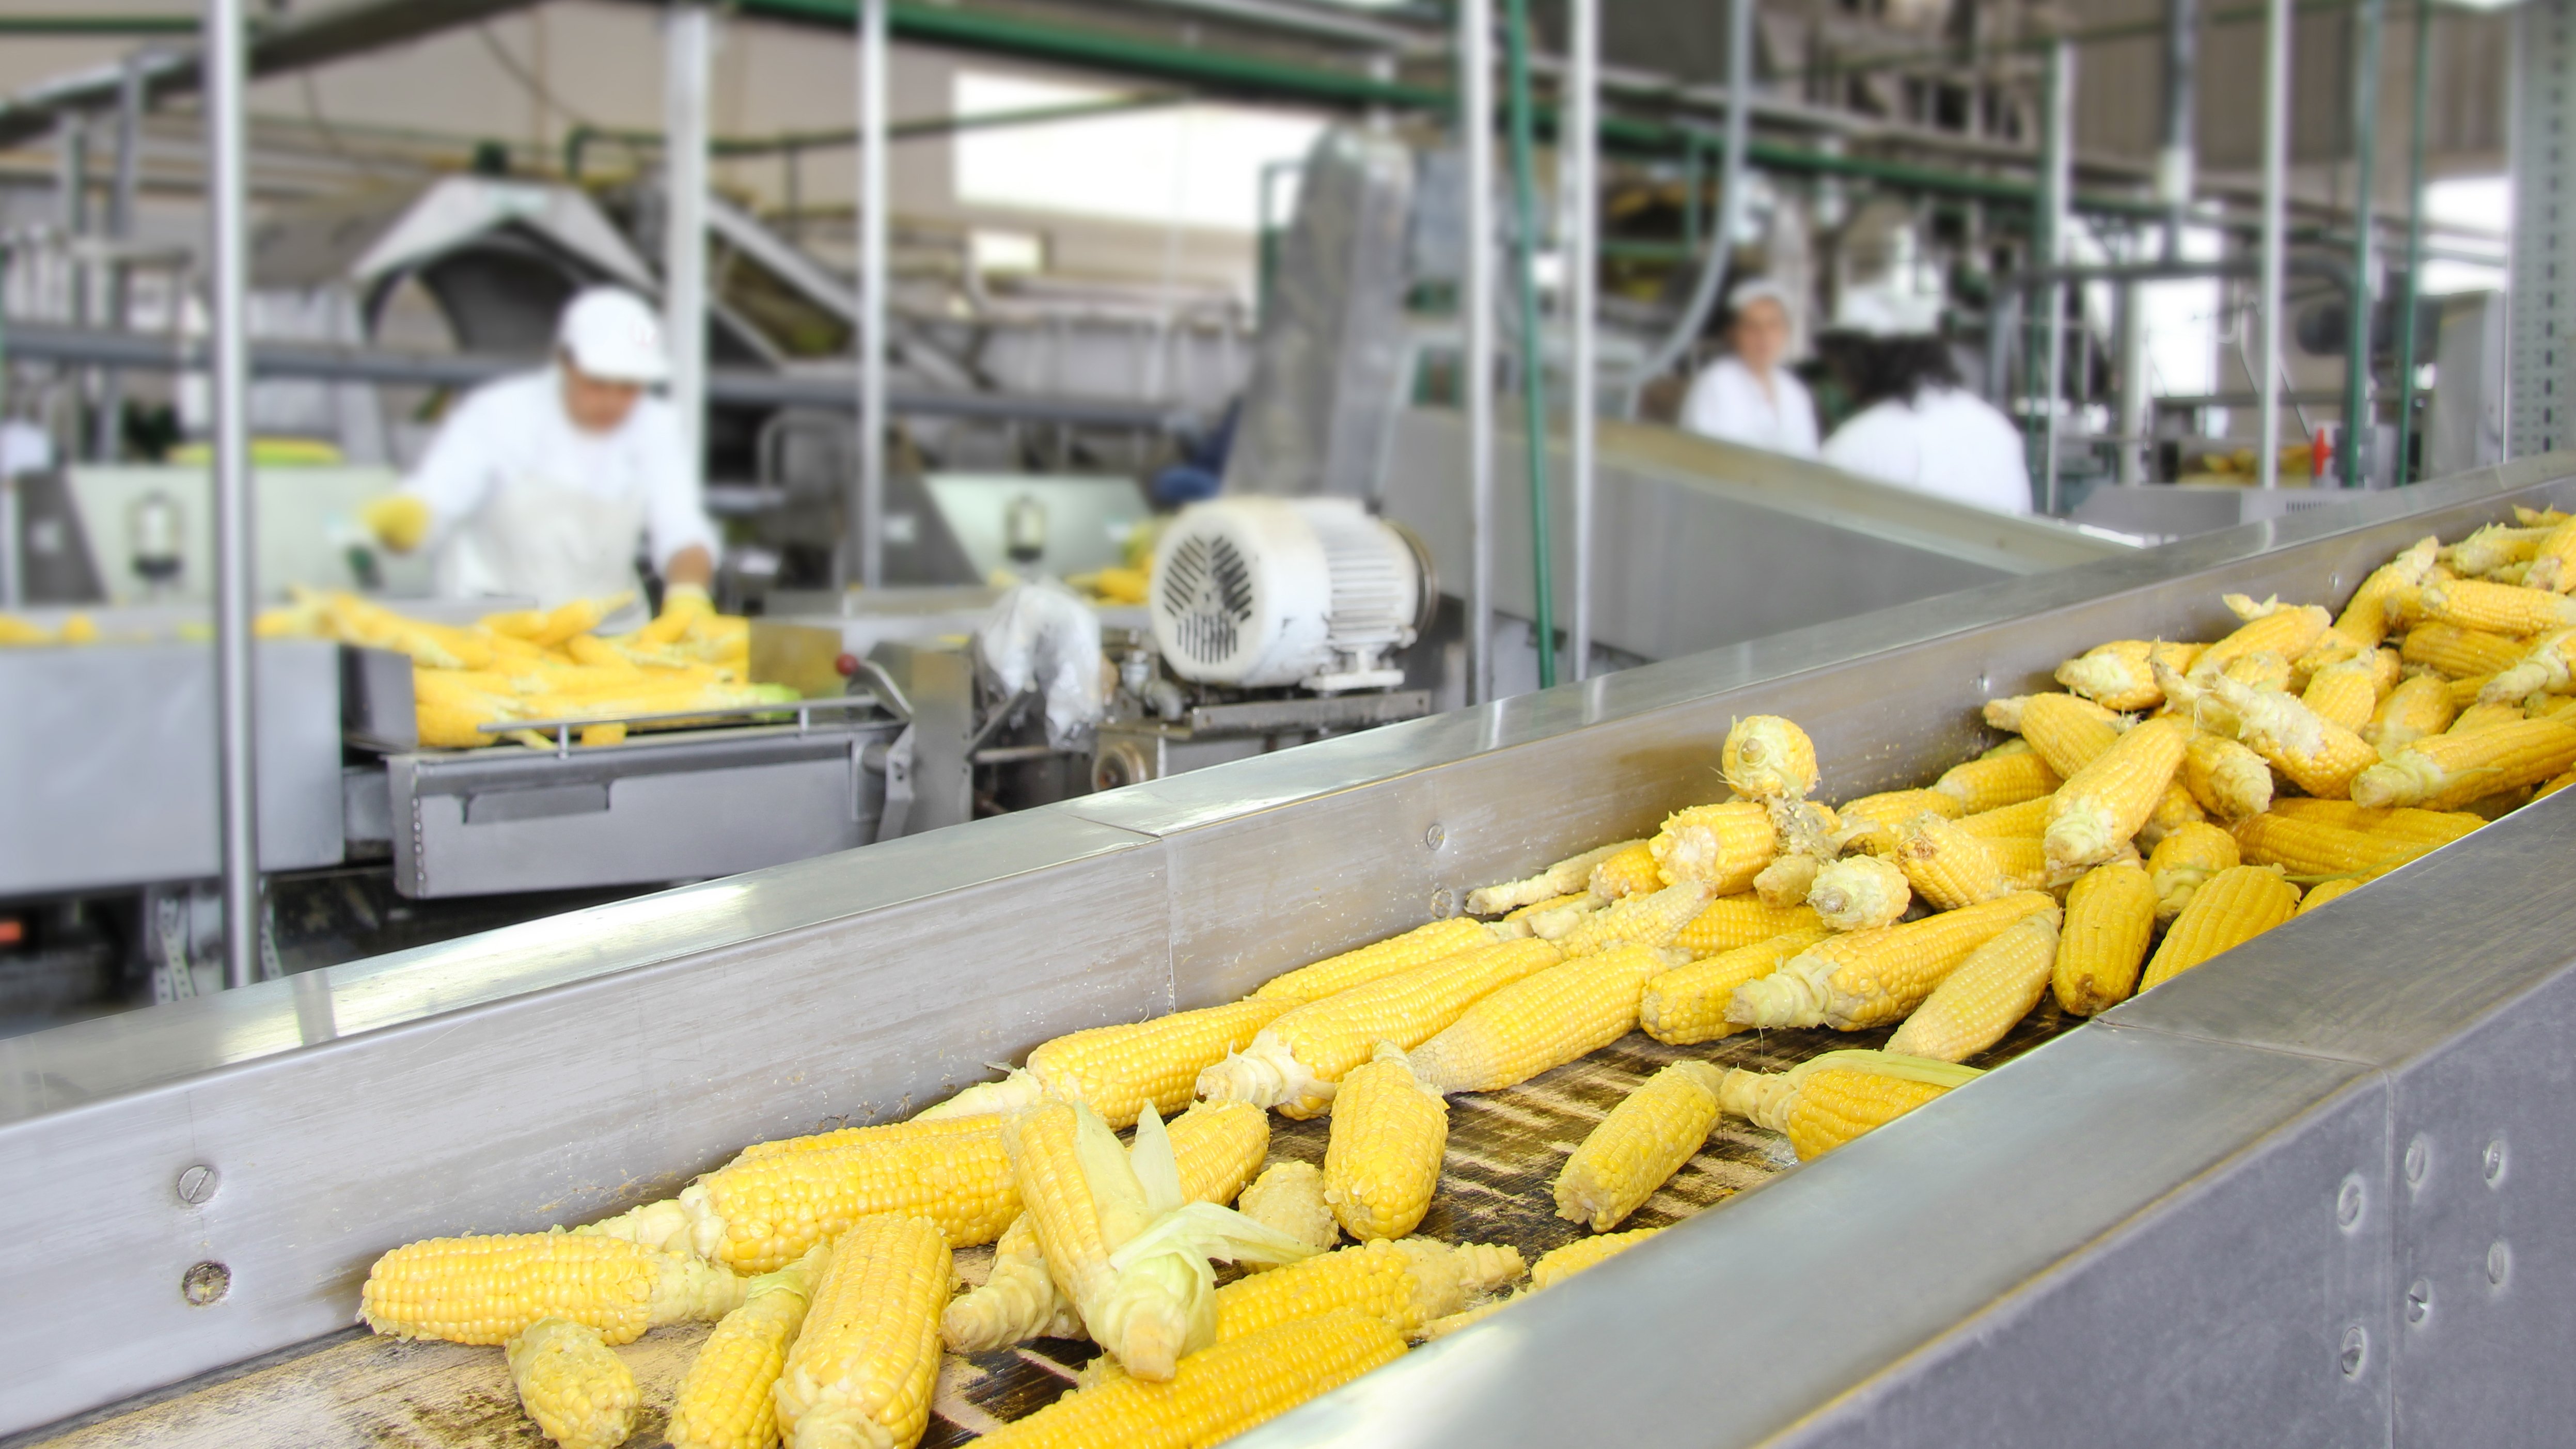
x=611, y=335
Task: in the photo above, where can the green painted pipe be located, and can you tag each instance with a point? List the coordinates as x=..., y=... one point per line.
x=2365, y=147
x=1533, y=343
x=100, y=25
x=581, y=137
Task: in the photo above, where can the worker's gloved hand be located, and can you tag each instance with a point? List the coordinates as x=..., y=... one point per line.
x=398, y=520
x=686, y=602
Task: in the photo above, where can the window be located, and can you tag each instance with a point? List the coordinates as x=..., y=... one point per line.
x=2482, y=204
x=1192, y=165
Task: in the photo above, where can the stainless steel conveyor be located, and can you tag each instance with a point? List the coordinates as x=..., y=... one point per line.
x=2313, y=1193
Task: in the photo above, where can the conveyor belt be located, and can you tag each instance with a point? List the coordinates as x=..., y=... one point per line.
x=1497, y=1186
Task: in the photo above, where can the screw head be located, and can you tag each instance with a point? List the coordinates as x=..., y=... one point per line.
x=1984, y=683
x=2499, y=1262
x=2356, y=1351
x=205, y=1284
x=2493, y=1161
x=2419, y=1300
x=198, y=1184
x=1444, y=904
x=2419, y=1157
x=1433, y=837
x=2348, y=1203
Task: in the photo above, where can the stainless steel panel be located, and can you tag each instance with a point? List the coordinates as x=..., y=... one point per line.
x=107, y=760
x=2121, y=1238
x=542, y=1073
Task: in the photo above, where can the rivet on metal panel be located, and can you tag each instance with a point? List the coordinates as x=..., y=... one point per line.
x=2499, y=1262
x=205, y=1284
x=2419, y=1156
x=1984, y=684
x=198, y=1184
x=1432, y=838
x=2356, y=1351
x=2495, y=1163
x=1444, y=904
x=2348, y=1204
x=2419, y=1300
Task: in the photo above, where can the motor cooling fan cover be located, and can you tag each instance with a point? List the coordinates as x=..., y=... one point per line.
x=1260, y=592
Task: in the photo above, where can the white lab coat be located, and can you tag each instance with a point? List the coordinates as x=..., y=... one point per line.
x=1946, y=442
x=1727, y=402
x=525, y=504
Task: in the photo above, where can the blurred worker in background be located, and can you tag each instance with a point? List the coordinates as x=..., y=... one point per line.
x=542, y=485
x=1749, y=396
x=1918, y=428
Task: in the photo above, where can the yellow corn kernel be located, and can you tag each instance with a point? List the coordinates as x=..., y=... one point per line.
x=1288, y=1197
x=2118, y=675
x=1117, y=1071
x=2498, y=608
x=2553, y=560
x=2184, y=861
x=2225, y=778
x=2097, y=811
x=1992, y=990
x=2366, y=615
x=1567, y=877
x=2110, y=918
x=1555, y=1267
x=2324, y=891
x=2310, y=846
x=2461, y=653
x=2318, y=756
x=1721, y=846
x=1404, y=1285
x=484, y=1290
x=1631, y=872
x=2415, y=708
x=2177, y=809
x=2555, y=785
x=1869, y=978
x=1651, y=920
x=1382, y=1159
x=1688, y=1003
x=1947, y=866
x=1295, y=1061
x=726, y=1402
x=2344, y=695
x=2269, y=628
x=2236, y=906
x=1860, y=894
x=2028, y=819
x=2260, y=669
x=1870, y=822
x=1214, y=1394
x=1542, y=1021
x=2546, y=667
x=1639, y=1146
x=1768, y=758
x=864, y=1363
x=1991, y=784
x=2492, y=547
x=1732, y=921
x=574, y=1386
x=2485, y=716
x=2444, y=771
x=1413, y=948
x=2065, y=730
x=1785, y=882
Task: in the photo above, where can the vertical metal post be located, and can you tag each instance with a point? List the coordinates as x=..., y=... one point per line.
x=688, y=43
x=227, y=285
x=2358, y=411
x=2276, y=158
x=2422, y=111
x=1739, y=132
x=1476, y=309
x=2057, y=151
x=2543, y=257
x=1580, y=181
x=108, y=438
x=2174, y=158
x=875, y=228
x=1516, y=34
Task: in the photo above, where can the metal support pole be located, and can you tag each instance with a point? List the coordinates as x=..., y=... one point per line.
x=2129, y=340
x=2358, y=411
x=2276, y=159
x=1580, y=183
x=227, y=283
x=2057, y=151
x=688, y=47
x=107, y=438
x=1533, y=342
x=875, y=228
x=2403, y=469
x=2174, y=158
x=1476, y=310
x=1739, y=132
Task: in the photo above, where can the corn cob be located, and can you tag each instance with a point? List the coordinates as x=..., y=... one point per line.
x=1826, y=1101
x=1639, y=1146
x=2118, y=675
x=2344, y=695
x=2110, y=918
x=1215, y=1393
x=2225, y=778
x=2184, y=861
x=1860, y=894
x=1992, y=990
x=2492, y=547
x=2324, y=891
x=2261, y=669
x=2461, y=653
x=1017, y=1301
x=1870, y=822
x=2065, y=730
x=1733, y=921
x=1116, y=1070
x=2319, y=757
x=1289, y=1198
x=1639, y=921
x=2434, y=827
x=1417, y=947
x=2415, y=708
x=2485, y=716
x=1566, y=877
x=862, y=1366
x=2448, y=770
x=2335, y=647
x=1947, y=866
x=2236, y=906
x=1382, y=1159
x=2545, y=667
x=2465, y=690
x=1991, y=784
x=2104, y=804
x=2025, y=865
x=2176, y=809
x=576, y=1388
x=2317, y=847
x=2551, y=706
x=2028, y=820
x=1721, y=846
x=1440, y=1328
x=2497, y=608
x=1542, y=1021
x=2366, y=615
x=2270, y=627
x=486, y=1289
x=1785, y=881
x=1768, y=758
x=1404, y=1284
x=726, y=1402
x=1870, y=978
x=2553, y=561
x=1555, y=1267
x=2556, y=785
x=1631, y=872
x=1296, y=1060
x=1688, y=1003
x=1551, y=919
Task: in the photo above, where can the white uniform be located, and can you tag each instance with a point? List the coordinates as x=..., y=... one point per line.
x=1727, y=402
x=1945, y=442
x=527, y=504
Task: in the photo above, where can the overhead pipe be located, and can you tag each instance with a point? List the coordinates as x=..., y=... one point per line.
x=228, y=272
x=2276, y=156
x=1533, y=343
x=2358, y=411
x=1475, y=117
x=2414, y=241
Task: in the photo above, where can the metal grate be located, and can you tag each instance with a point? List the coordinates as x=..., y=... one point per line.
x=1207, y=592
x=2543, y=285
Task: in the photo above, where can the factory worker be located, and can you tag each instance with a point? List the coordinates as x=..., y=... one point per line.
x=1748, y=396
x=542, y=485
x=1918, y=428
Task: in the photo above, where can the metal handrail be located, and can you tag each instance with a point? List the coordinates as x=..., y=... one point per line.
x=803, y=709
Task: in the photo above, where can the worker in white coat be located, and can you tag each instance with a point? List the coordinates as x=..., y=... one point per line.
x=1749, y=396
x=1918, y=428
x=543, y=485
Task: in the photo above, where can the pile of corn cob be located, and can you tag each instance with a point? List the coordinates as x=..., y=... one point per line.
x=17, y=632
x=2183, y=788
x=543, y=665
